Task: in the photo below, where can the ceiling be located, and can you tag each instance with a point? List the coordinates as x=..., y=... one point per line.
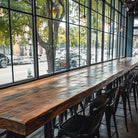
x=131, y=5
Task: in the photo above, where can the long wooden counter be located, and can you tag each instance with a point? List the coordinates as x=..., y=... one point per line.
x=25, y=108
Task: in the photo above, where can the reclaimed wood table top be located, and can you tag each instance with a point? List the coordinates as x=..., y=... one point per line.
x=24, y=108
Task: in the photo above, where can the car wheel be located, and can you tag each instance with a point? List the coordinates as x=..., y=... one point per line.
x=3, y=64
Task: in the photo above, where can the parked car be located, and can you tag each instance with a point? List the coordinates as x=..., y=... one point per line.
x=60, y=63
x=3, y=60
x=17, y=60
x=27, y=60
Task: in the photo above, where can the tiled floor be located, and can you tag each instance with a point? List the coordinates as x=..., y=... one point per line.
x=132, y=126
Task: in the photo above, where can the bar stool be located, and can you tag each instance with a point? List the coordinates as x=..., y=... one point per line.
x=134, y=89
x=124, y=91
x=111, y=107
x=80, y=126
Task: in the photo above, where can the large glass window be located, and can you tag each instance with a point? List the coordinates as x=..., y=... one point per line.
x=56, y=37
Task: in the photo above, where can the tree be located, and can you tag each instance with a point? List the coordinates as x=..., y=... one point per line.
x=48, y=29
x=46, y=8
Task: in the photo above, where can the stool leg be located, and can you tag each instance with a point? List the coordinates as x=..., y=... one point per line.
x=98, y=135
x=108, y=122
x=136, y=89
x=115, y=125
x=129, y=107
x=48, y=130
x=135, y=100
x=124, y=107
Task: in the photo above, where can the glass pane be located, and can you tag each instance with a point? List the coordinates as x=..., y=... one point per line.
x=110, y=46
x=58, y=10
x=100, y=6
x=120, y=6
x=99, y=22
x=115, y=28
x=4, y=3
x=44, y=40
x=113, y=3
x=135, y=22
x=112, y=14
x=106, y=46
x=135, y=46
x=21, y=5
x=107, y=11
x=112, y=26
x=107, y=25
x=83, y=46
x=116, y=4
x=22, y=46
x=116, y=16
x=122, y=47
x=93, y=45
x=94, y=23
x=99, y=46
x=74, y=46
x=94, y=5
x=73, y=12
x=135, y=32
x=60, y=59
x=83, y=15
x=5, y=51
x=115, y=47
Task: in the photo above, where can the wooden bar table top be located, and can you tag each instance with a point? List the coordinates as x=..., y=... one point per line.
x=25, y=108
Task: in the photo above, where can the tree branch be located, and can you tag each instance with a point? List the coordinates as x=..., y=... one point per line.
x=63, y=11
x=41, y=42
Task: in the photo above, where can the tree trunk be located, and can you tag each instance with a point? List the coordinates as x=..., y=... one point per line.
x=50, y=59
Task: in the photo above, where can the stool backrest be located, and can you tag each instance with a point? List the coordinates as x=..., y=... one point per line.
x=94, y=119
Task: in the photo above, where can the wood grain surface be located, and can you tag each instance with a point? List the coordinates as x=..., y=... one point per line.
x=25, y=108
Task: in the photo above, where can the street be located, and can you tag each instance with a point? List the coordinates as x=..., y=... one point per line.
x=21, y=72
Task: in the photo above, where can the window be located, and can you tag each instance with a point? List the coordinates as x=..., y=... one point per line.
x=39, y=39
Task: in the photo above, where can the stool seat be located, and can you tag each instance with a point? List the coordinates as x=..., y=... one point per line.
x=81, y=126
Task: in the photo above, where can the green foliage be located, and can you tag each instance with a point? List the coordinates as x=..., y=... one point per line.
x=21, y=21
x=4, y=3
x=21, y=5
x=4, y=28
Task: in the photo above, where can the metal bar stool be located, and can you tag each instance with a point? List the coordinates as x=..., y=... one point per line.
x=80, y=126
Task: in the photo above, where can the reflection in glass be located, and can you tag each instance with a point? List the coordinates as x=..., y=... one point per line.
x=22, y=46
